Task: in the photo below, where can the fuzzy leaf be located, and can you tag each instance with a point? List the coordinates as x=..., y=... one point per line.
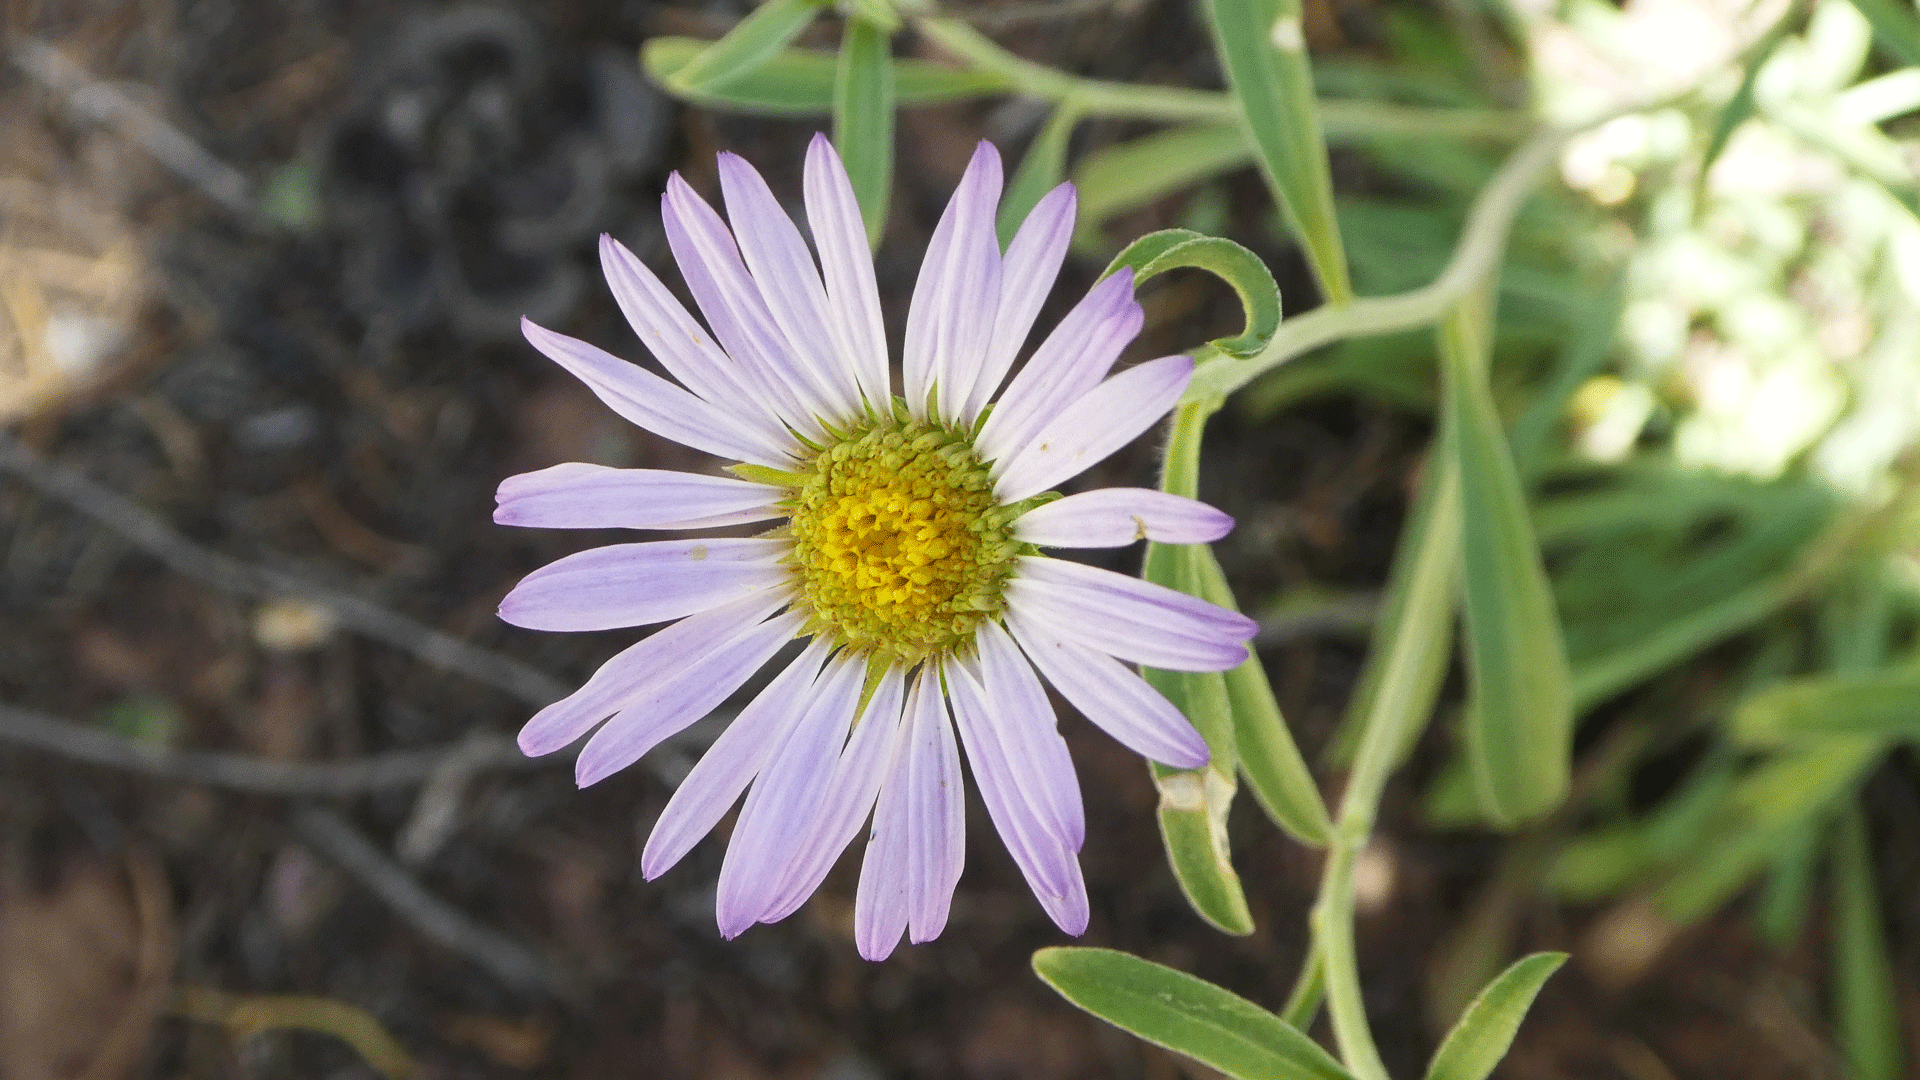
x=1170, y=249
x=1485, y=1031
x=751, y=43
x=1519, y=719
x=1189, y=1016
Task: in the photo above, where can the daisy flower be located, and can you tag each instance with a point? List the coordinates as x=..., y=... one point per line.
x=906, y=548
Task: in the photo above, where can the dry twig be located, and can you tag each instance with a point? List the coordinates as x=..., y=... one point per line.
x=440, y=922
x=104, y=103
x=238, y=772
x=231, y=576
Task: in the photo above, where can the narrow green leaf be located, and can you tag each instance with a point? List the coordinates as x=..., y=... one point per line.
x=1040, y=170
x=1143, y=251
x=1762, y=812
x=1782, y=910
x=1171, y=249
x=1616, y=858
x=880, y=13
x=1261, y=45
x=748, y=45
x=1896, y=27
x=1193, y=826
x=1866, y=1013
x=863, y=119
x=1269, y=758
x=1599, y=678
x=1309, y=990
x=1884, y=704
x=1194, y=802
x=1129, y=175
x=800, y=82
x=1190, y=1016
x=1519, y=717
x=1481, y=1038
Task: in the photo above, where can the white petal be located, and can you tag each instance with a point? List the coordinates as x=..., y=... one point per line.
x=853, y=308
x=1109, y=417
x=1116, y=517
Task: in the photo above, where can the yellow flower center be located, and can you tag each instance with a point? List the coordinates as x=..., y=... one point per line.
x=900, y=545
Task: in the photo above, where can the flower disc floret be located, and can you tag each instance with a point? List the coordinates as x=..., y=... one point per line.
x=901, y=546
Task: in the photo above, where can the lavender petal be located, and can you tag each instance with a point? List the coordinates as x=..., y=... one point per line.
x=1107, y=418
x=637, y=669
x=1022, y=816
x=850, y=795
x=1116, y=517
x=731, y=763
x=788, y=281
x=880, y=904
x=681, y=344
x=853, y=308
x=936, y=818
x=1125, y=617
x=653, y=403
x=1071, y=361
x=605, y=588
x=781, y=805
x=694, y=691
x=1032, y=262
x=710, y=261
x=951, y=317
x=580, y=496
x=1119, y=701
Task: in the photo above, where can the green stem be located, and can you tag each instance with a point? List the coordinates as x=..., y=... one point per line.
x=1476, y=256
x=1180, y=466
x=1094, y=96
x=1395, y=709
x=1332, y=922
x=1309, y=990
x=1341, y=119
x=1479, y=251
